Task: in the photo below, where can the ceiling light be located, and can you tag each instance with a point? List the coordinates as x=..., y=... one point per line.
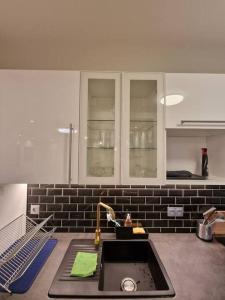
x=172, y=99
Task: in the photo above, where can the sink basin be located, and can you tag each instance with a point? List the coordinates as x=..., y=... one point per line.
x=135, y=259
x=117, y=259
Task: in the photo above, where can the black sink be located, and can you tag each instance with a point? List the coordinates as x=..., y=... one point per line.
x=135, y=259
x=117, y=259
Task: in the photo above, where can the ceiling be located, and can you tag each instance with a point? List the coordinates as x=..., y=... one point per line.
x=138, y=35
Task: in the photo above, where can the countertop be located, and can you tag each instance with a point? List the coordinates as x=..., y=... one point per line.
x=196, y=268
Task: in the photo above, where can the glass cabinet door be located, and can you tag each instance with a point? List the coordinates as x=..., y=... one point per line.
x=99, y=144
x=142, y=128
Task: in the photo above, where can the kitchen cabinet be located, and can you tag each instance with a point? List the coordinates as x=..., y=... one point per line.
x=142, y=142
x=36, y=110
x=133, y=152
x=203, y=105
x=99, y=152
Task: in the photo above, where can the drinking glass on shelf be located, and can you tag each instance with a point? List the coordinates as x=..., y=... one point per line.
x=108, y=139
x=136, y=139
x=143, y=139
x=132, y=139
x=102, y=138
x=149, y=138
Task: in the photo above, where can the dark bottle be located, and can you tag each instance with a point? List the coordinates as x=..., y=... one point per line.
x=205, y=172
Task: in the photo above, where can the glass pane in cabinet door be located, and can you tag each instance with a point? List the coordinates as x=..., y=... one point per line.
x=143, y=128
x=101, y=127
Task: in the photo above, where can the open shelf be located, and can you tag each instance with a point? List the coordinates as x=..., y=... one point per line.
x=183, y=152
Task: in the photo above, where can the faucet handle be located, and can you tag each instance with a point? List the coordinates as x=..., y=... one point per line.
x=109, y=217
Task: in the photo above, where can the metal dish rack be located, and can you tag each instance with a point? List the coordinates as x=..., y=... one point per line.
x=20, y=242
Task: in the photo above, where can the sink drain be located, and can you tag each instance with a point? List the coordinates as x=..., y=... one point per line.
x=128, y=285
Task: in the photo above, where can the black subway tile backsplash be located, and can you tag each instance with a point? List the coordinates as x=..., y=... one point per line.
x=61, y=199
x=130, y=192
x=39, y=191
x=175, y=193
x=152, y=215
x=222, y=199
x=54, y=207
x=84, y=192
x=115, y=192
x=183, y=186
x=160, y=192
x=70, y=192
x=160, y=223
x=70, y=207
x=146, y=207
x=61, y=215
x=168, y=230
x=183, y=200
x=47, y=199
x=79, y=199
x=90, y=199
x=219, y=193
x=198, y=186
x=123, y=200
x=207, y=193
x=137, y=200
x=32, y=199
x=53, y=192
x=145, y=192
x=190, y=192
x=99, y=192
x=197, y=200
x=74, y=208
x=213, y=200
x=152, y=200
x=167, y=200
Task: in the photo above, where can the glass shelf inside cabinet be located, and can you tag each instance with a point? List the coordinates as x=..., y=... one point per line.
x=143, y=163
x=100, y=148
x=143, y=135
x=101, y=134
x=100, y=162
x=101, y=127
x=143, y=128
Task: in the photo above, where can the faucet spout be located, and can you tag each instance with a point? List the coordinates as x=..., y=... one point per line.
x=98, y=230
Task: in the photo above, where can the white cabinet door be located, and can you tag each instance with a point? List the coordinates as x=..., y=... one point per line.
x=99, y=155
x=203, y=104
x=36, y=108
x=142, y=151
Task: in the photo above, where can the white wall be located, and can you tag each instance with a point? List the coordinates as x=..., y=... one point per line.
x=216, y=145
x=184, y=153
x=13, y=202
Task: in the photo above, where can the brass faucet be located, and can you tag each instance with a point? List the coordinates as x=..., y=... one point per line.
x=98, y=230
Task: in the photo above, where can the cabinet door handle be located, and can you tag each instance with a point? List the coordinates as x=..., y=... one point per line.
x=205, y=122
x=70, y=154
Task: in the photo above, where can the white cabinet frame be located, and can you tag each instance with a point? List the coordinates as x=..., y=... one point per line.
x=83, y=178
x=125, y=129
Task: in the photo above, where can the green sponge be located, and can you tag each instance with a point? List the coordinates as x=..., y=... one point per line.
x=84, y=264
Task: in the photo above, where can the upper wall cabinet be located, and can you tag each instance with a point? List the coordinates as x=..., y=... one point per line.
x=39, y=114
x=99, y=155
x=142, y=151
x=203, y=102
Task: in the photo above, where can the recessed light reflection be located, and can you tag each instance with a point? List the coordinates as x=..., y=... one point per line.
x=66, y=130
x=172, y=99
